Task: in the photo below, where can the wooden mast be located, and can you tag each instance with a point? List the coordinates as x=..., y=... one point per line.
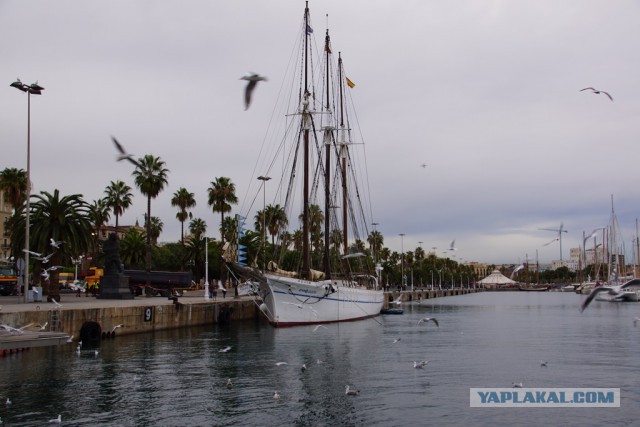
x=343, y=161
x=327, y=168
x=306, y=256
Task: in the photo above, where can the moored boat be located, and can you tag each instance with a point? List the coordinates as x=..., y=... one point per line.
x=345, y=285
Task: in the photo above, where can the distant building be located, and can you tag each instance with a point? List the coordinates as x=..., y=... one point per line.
x=105, y=230
x=479, y=269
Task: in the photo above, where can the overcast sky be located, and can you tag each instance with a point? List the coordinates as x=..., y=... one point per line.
x=486, y=93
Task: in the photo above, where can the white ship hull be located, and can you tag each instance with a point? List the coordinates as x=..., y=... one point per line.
x=291, y=302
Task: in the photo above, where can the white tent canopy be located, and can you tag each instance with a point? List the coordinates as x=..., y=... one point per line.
x=496, y=279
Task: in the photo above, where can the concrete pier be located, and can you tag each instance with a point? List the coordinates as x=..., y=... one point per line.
x=91, y=319
x=97, y=318
x=425, y=294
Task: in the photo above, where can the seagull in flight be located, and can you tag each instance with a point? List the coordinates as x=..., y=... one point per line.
x=281, y=363
x=116, y=327
x=597, y=92
x=56, y=420
x=56, y=303
x=224, y=350
x=55, y=244
x=397, y=301
x=276, y=395
x=396, y=340
x=318, y=327
x=452, y=245
x=253, y=80
x=543, y=364
x=426, y=319
x=424, y=165
x=229, y=383
x=123, y=154
x=517, y=385
x=421, y=364
x=612, y=290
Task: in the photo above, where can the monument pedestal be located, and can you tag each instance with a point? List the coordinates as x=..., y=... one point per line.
x=115, y=287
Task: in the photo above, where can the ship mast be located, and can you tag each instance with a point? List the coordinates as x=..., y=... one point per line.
x=327, y=169
x=306, y=119
x=343, y=161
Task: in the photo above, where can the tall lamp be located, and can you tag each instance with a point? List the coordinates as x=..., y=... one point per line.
x=32, y=89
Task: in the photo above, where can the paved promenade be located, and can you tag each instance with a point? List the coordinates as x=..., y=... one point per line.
x=14, y=304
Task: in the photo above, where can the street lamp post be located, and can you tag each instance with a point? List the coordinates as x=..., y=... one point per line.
x=32, y=89
x=206, y=269
x=264, y=180
x=76, y=261
x=402, y=259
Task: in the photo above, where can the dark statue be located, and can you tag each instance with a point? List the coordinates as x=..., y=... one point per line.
x=114, y=284
x=111, y=249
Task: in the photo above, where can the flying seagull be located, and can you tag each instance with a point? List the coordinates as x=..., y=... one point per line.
x=229, y=383
x=426, y=319
x=318, y=327
x=597, y=92
x=55, y=244
x=276, y=395
x=543, y=363
x=253, y=80
x=452, y=245
x=421, y=364
x=612, y=290
x=517, y=385
x=123, y=154
x=116, y=327
x=56, y=420
x=397, y=301
x=224, y=350
x=424, y=165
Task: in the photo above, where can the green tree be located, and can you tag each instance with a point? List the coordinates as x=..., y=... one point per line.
x=222, y=194
x=119, y=198
x=184, y=200
x=13, y=183
x=150, y=176
x=132, y=249
x=155, y=228
x=276, y=219
x=197, y=227
x=59, y=218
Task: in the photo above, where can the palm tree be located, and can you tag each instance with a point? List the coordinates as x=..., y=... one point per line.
x=316, y=219
x=276, y=219
x=155, y=228
x=132, y=248
x=119, y=198
x=197, y=227
x=13, y=183
x=375, y=240
x=222, y=194
x=229, y=228
x=183, y=200
x=150, y=176
x=53, y=217
x=99, y=214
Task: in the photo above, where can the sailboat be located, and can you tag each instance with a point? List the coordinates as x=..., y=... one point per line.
x=341, y=284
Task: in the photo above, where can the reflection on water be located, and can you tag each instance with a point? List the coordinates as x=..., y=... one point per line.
x=484, y=340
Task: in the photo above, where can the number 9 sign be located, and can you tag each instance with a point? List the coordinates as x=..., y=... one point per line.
x=148, y=314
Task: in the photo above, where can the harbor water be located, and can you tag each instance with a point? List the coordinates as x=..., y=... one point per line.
x=491, y=339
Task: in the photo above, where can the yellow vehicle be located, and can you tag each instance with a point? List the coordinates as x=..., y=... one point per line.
x=93, y=276
x=65, y=279
x=8, y=280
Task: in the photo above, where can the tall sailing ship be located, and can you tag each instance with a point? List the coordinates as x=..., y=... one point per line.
x=327, y=277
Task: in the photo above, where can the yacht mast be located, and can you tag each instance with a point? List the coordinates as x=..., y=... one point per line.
x=306, y=119
x=327, y=168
